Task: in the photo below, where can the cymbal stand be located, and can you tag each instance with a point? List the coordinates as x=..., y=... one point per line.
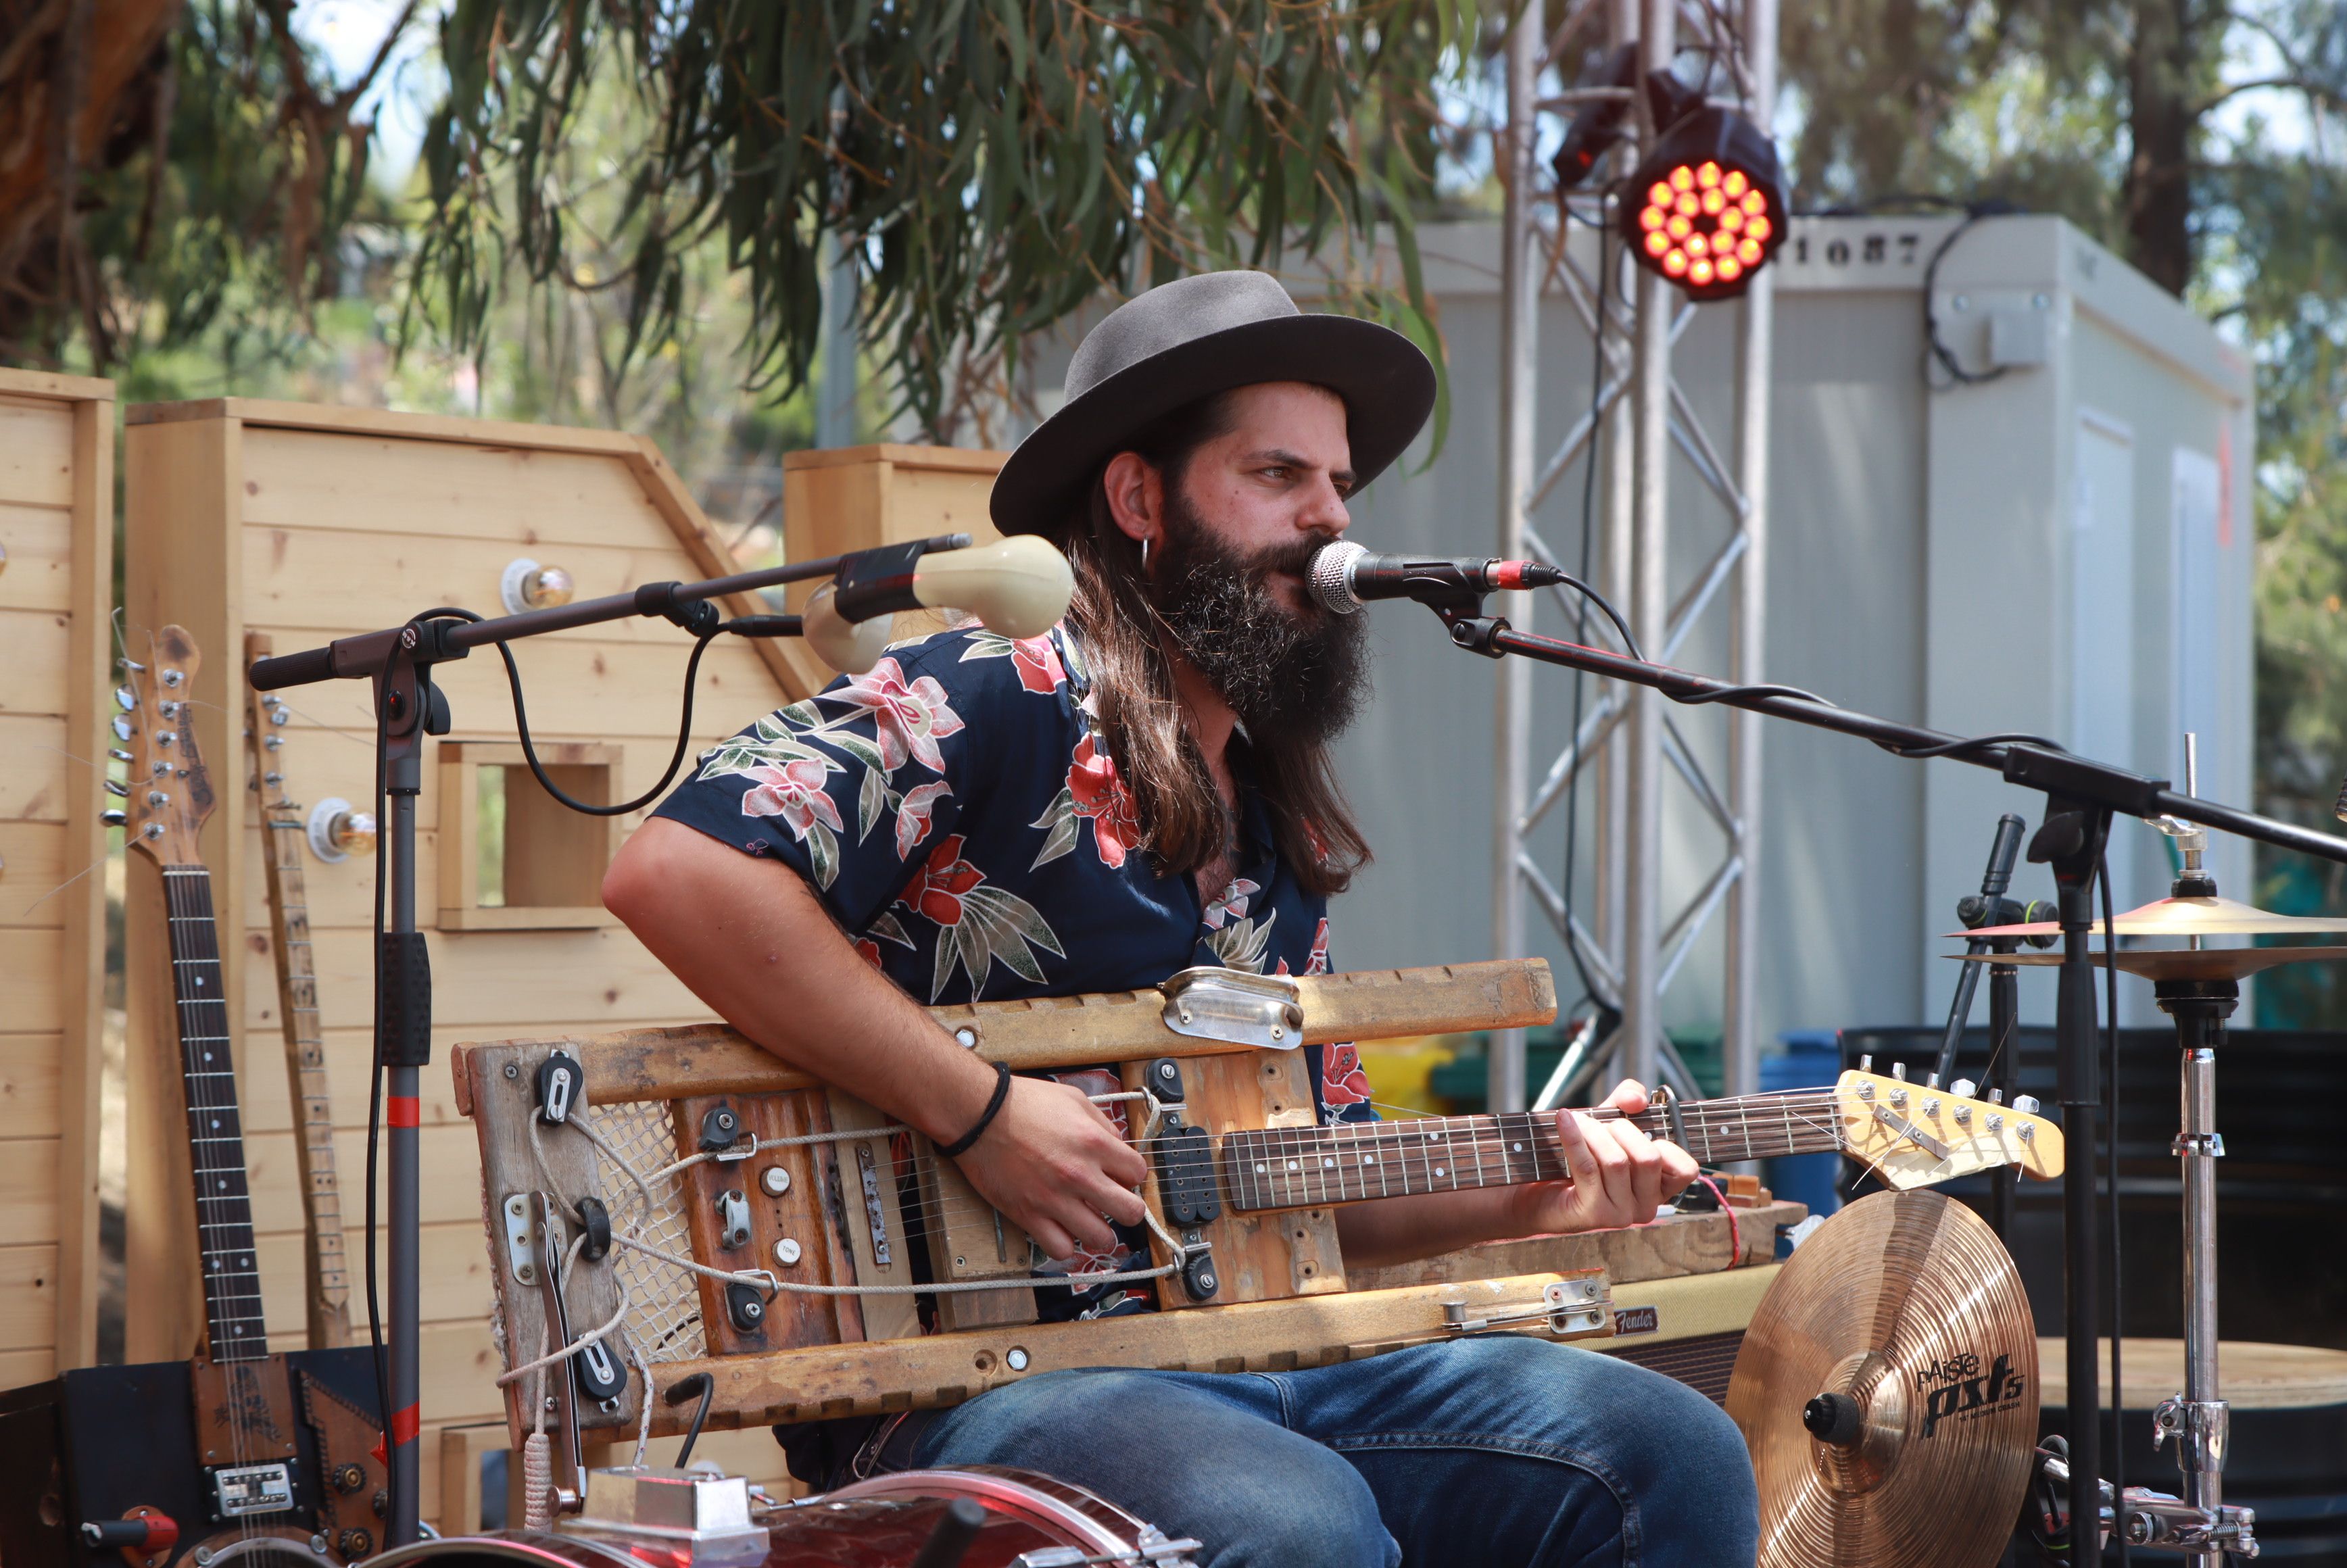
x=2197, y=1419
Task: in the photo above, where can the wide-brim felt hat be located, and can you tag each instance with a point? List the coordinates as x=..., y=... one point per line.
x=1193, y=338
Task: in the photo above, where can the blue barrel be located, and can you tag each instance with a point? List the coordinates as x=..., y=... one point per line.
x=1811, y=1059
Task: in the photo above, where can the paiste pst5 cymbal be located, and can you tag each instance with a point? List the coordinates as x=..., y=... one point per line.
x=2210, y=916
x=1887, y=1389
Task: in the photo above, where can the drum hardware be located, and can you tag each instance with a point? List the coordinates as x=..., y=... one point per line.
x=2198, y=987
x=684, y=1518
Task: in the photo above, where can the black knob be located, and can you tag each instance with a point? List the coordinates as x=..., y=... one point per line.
x=354, y=1544
x=1833, y=1418
x=347, y=1479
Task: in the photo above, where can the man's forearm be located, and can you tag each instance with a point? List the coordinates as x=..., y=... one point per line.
x=752, y=942
x=1398, y=1230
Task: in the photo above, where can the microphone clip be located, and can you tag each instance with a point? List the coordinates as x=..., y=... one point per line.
x=1470, y=629
x=879, y=582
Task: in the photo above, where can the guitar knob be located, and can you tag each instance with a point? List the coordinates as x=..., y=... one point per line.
x=348, y=1479
x=354, y=1544
x=2025, y=1104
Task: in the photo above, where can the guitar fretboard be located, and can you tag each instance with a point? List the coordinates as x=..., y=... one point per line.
x=297, y=994
x=1299, y=1167
x=215, y=1132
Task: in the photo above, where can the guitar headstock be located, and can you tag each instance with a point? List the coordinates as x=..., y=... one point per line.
x=1911, y=1136
x=167, y=797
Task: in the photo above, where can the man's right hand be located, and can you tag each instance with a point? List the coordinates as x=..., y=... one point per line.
x=1053, y=1164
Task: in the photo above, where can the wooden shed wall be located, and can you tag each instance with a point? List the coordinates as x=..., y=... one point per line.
x=57, y=524
x=312, y=523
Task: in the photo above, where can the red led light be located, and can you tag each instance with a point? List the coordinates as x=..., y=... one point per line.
x=1652, y=219
x=1698, y=245
x=1708, y=176
x=1679, y=227
x=1749, y=252
x=1657, y=243
x=1683, y=178
x=1699, y=271
x=1676, y=263
x=1759, y=228
x=1713, y=201
x=1736, y=184
x=1730, y=268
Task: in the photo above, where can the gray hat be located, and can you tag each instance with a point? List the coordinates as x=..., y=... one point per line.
x=1190, y=339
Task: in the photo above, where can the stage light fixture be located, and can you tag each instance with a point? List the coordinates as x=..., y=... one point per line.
x=1706, y=207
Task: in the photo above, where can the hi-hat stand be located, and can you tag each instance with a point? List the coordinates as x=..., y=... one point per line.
x=2081, y=797
x=399, y=661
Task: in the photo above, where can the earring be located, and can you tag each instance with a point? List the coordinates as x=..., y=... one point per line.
x=1144, y=555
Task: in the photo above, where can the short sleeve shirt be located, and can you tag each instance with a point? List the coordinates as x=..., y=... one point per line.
x=960, y=815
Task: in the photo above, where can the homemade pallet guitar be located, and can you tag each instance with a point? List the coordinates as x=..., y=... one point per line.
x=673, y=1202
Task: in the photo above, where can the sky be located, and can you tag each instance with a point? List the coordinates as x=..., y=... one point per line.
x=349, y=32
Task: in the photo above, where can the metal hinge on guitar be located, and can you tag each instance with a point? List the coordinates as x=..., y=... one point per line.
x=239, y=1452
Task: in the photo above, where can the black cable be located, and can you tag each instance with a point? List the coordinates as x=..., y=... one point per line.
x=2111, y=1173
x=699, y=1384
x=374, y=1134
x=701, y=639
x=1935, y=350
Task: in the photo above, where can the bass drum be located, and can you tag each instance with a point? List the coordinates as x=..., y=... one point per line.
x=878, y=1523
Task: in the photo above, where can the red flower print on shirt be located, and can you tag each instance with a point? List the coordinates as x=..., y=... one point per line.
x=1231, y=903
x=945, y=882
x=1342, y=1082
x=1095, y=791
x=913, y=816
x=1318, y=964
x=868, y=951
x=910, y=720
x=795, y=793
x=1038, y=663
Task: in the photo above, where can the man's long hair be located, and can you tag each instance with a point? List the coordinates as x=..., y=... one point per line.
x=1128, y=653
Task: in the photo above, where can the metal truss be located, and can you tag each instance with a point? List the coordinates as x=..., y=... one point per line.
x=1630, y=741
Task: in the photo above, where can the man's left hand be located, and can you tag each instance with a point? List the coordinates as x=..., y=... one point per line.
x=1620, y=1175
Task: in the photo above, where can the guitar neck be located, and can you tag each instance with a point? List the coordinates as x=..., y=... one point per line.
x=215, y=1132
x=1304, y=1167
x=305, y=1061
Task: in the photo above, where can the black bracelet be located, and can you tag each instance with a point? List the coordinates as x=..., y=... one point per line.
x=960, y=1146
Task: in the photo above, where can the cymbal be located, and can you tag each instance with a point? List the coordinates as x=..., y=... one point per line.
x=2183, y=918
x=2177, y=963
x=1904, y=1308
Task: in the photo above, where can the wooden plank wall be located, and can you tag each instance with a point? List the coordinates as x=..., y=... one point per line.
x=312, y=523
x=56, y=525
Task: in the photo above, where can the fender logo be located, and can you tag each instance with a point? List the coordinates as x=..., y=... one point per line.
x=1958, y=1388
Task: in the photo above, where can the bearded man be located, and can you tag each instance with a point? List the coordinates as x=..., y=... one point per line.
x=1147, y=788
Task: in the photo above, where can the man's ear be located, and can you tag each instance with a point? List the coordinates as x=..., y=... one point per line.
x=1136, y=495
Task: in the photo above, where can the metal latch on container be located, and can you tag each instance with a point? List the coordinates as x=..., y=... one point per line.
x=1209, y=1003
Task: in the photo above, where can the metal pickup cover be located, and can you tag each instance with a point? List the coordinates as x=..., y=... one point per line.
x=1209, y=1003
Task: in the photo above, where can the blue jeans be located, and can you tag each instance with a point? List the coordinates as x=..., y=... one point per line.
x=1491, y=1451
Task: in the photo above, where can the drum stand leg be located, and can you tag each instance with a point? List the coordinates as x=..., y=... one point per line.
x=2197, y=1419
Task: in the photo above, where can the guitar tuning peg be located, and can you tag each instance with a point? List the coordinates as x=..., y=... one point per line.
x=125, y=698
x=116, y=786
x=1931, y=1080
x=278, y=714
x=123, y=728
x=119, y=755
x=1898, y=1070
x=1963, y=1089
x=114, y=818
x=131, y=664
x=2025, y=1104
x=1866, y=1063
x=1996, y=1097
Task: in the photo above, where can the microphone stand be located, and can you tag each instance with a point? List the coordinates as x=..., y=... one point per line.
x=2081, y=797
x=399, y=661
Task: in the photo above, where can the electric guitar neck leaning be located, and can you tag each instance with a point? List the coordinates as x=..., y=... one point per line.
x=328, y=1297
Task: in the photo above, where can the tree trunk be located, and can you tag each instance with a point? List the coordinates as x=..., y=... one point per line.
x=2158, y=194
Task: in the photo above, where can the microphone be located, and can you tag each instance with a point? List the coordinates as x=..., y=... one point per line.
x=1344, y=577
x=1019, y=586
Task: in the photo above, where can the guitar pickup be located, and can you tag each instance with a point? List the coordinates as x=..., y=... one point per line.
x=244, y=1490
x=1185, y=1175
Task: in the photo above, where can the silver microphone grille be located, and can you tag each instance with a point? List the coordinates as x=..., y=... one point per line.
x=1332, y=576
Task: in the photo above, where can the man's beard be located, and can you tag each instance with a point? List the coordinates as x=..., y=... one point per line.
x=1288, y=677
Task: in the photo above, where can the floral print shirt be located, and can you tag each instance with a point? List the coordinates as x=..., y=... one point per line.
x=957, y=814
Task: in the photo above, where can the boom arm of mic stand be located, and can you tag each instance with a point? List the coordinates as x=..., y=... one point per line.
x=2035, y=767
